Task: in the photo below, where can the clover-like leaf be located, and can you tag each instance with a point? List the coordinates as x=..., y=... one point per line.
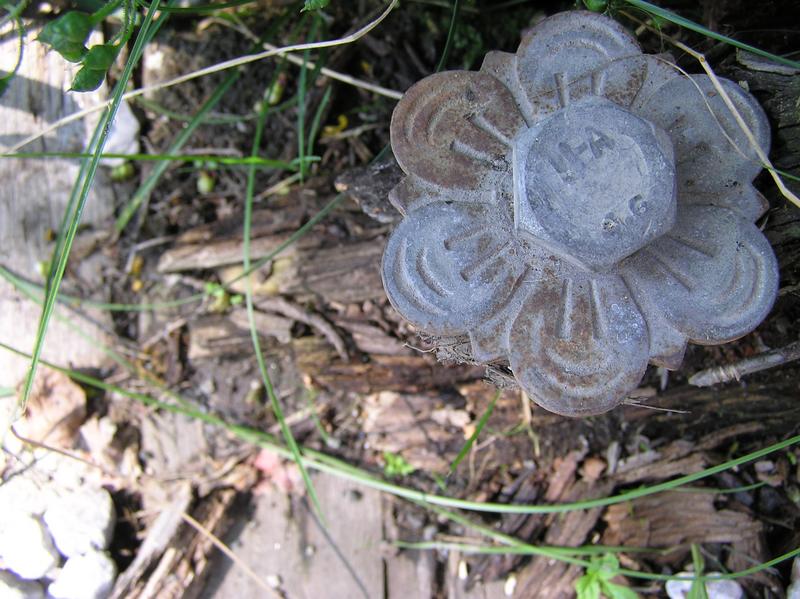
x=315, y=4
x=67, y=35
x=96, y=63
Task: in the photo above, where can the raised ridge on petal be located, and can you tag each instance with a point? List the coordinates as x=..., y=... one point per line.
x=454, y=129
x=630, y=77
x=743, y=199
x=702, y=128
x=580, y=347
x=446, y=268
x=562, y=59
x=714, y=277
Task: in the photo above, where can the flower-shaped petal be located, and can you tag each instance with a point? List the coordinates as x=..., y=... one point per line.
x=713, y=277
x=447, y=266
x=455, y=128
x=744, y=199
x=702, y=128
x=562, y=59
x=627, y=78
x=580, y=347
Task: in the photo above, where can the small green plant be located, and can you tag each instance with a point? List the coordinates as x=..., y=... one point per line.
x=596, y=582
x=596, y=5
x=315, y=4
x=68, y=34
x=698, y=588
x=395, y=465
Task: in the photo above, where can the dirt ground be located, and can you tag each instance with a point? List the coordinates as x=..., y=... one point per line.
x=358, y=383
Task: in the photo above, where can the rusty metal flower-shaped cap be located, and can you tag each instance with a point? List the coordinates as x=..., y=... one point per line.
x=578, y=209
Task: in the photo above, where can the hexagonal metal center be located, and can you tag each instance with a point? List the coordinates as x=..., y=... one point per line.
x=594, y=183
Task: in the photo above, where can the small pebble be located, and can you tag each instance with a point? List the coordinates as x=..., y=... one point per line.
x=716, y=589
x=25, y=547
x=81, y=521
x=12, y=587
x=88, y=576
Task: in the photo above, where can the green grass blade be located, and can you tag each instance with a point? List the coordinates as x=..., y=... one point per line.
x=451, y=33
x=262, y=366
x=204, y=9
x=325, y=463
x=144, y=191
x=697, y=28
x=217, y=119
x=78, y=200
x=37, y=293
x=474, y=436
x=302, y=84
x=698, y=588
x=525, y=549
x=316, y=123
x=224, y=160
x=302, y=231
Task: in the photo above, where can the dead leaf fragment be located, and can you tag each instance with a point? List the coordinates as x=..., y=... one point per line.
x=56, y=409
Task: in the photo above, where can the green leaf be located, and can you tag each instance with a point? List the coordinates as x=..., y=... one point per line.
x=396, y=465
x=607, y=566
x=595, y=5
x=698, y=588
x=587, y=587
x=96, y=63
x=315, y=4
x=617, y=591
x=474, y=436
x=67, y=35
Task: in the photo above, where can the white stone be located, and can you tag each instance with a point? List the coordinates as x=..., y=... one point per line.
x=88, y=576
x=12, y=587
x=81, y=521
x=715, y=589
x=25, y=546
x=793, y=591
x=20, y=493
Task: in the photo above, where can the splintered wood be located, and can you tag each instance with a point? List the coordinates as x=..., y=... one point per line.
x=671, y=520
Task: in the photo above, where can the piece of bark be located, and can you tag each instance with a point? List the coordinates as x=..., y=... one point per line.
x=559, y=485
x=544, y=577
x=773, y=403
x=228, y=335
x=221, y=252
x=426, y=432
x=182, y=568
x=268, y=325
x=346, y=272
x=286, y=215
x=369, y=187
x=672, y=519
x=409, y=374
x=296, y=312
x=159, y=535
x=371, y=339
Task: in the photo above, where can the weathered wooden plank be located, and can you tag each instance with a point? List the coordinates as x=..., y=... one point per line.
x=283, y=543
x=34, y=194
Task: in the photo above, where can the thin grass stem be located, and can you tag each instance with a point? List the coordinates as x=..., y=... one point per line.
x=78, y=201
